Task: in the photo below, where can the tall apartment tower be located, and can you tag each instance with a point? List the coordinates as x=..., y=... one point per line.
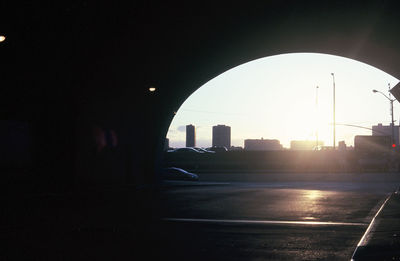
x=190, y=136
x=221, y=136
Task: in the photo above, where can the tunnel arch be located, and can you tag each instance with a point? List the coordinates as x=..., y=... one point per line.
x=366, y=37
x=286, y=57
x=75, y=79
x=372, y=52
x=99, y=67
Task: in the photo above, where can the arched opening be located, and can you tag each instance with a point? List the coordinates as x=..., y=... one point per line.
x=268, y=187
x=77, y=77
x=285, y=103
x=284, y=87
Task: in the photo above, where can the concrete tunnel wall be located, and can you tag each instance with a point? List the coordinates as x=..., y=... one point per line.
x=87, y=69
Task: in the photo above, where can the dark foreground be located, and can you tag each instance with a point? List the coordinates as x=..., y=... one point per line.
x=289, y=217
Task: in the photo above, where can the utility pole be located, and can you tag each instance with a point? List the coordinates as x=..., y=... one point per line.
x=334, y=113
x=316, y=110
x=392, y=114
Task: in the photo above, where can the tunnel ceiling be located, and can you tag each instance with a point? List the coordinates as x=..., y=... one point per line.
x=68, y=50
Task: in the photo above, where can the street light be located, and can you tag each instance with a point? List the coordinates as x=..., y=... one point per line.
x=391, y=109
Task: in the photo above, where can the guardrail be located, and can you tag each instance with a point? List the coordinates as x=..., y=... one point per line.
x=290, y=161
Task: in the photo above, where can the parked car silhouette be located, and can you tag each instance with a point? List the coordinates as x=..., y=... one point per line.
x=185, y=150
x=218, y=149
x=204, y=150
x=173, y=173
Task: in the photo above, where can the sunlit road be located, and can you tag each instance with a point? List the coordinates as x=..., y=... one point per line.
x=271, y=220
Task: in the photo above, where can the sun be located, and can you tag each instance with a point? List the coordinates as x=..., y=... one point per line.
x=301, y=117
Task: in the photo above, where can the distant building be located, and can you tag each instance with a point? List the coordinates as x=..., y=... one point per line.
x=261, y=144
x=382, y=130
x=342, y=145
x=190, y=136
x=305, y=144
x=221, y=136
x=366, y=143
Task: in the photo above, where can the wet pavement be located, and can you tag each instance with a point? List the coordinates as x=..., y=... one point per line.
x=268, y=219
x=300, y=220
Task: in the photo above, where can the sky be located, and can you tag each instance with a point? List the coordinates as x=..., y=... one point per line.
x=276, y=97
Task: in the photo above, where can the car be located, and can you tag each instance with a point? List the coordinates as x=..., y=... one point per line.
x=186, y=150
x=204, y=150
x=218, y=149
x=173, y=173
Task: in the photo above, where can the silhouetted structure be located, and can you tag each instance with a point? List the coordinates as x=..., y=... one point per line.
x=386, y=130
x=395, y=91
x=304, y=144
x=366, y=143
x=190, y=136
x=61, y=79
x=261, y=144
x=342, y=145
x=166, y=144
x=221, y=136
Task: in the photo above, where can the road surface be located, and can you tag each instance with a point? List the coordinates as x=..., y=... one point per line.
x=271, y=218
x=282, y=216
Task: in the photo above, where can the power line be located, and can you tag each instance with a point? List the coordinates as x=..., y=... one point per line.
x=212, y=112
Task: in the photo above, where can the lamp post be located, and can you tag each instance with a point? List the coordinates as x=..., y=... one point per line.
x=334, y=113
x=391, y=110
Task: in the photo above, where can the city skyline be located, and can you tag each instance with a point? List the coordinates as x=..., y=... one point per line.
x=376, y=130
x=275, y=98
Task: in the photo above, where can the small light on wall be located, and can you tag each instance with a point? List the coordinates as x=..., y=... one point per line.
x=152, y=89
x=2, y=38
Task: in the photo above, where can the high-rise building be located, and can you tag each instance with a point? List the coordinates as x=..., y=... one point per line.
x=221, y=136
x=190, y=136
x=382, y=130
x=256, y=144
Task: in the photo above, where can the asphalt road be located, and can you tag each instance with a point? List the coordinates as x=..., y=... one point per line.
x=241, y=216
x=306, y=217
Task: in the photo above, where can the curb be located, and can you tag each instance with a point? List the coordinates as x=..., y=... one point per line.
x=363, y=248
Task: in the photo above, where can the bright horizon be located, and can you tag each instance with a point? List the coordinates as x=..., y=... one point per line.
x=275, y=98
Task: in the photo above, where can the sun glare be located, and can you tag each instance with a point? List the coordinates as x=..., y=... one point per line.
x=313, y=194
x=277, y=98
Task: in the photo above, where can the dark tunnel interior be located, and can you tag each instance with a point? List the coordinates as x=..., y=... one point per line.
x=77, y=116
